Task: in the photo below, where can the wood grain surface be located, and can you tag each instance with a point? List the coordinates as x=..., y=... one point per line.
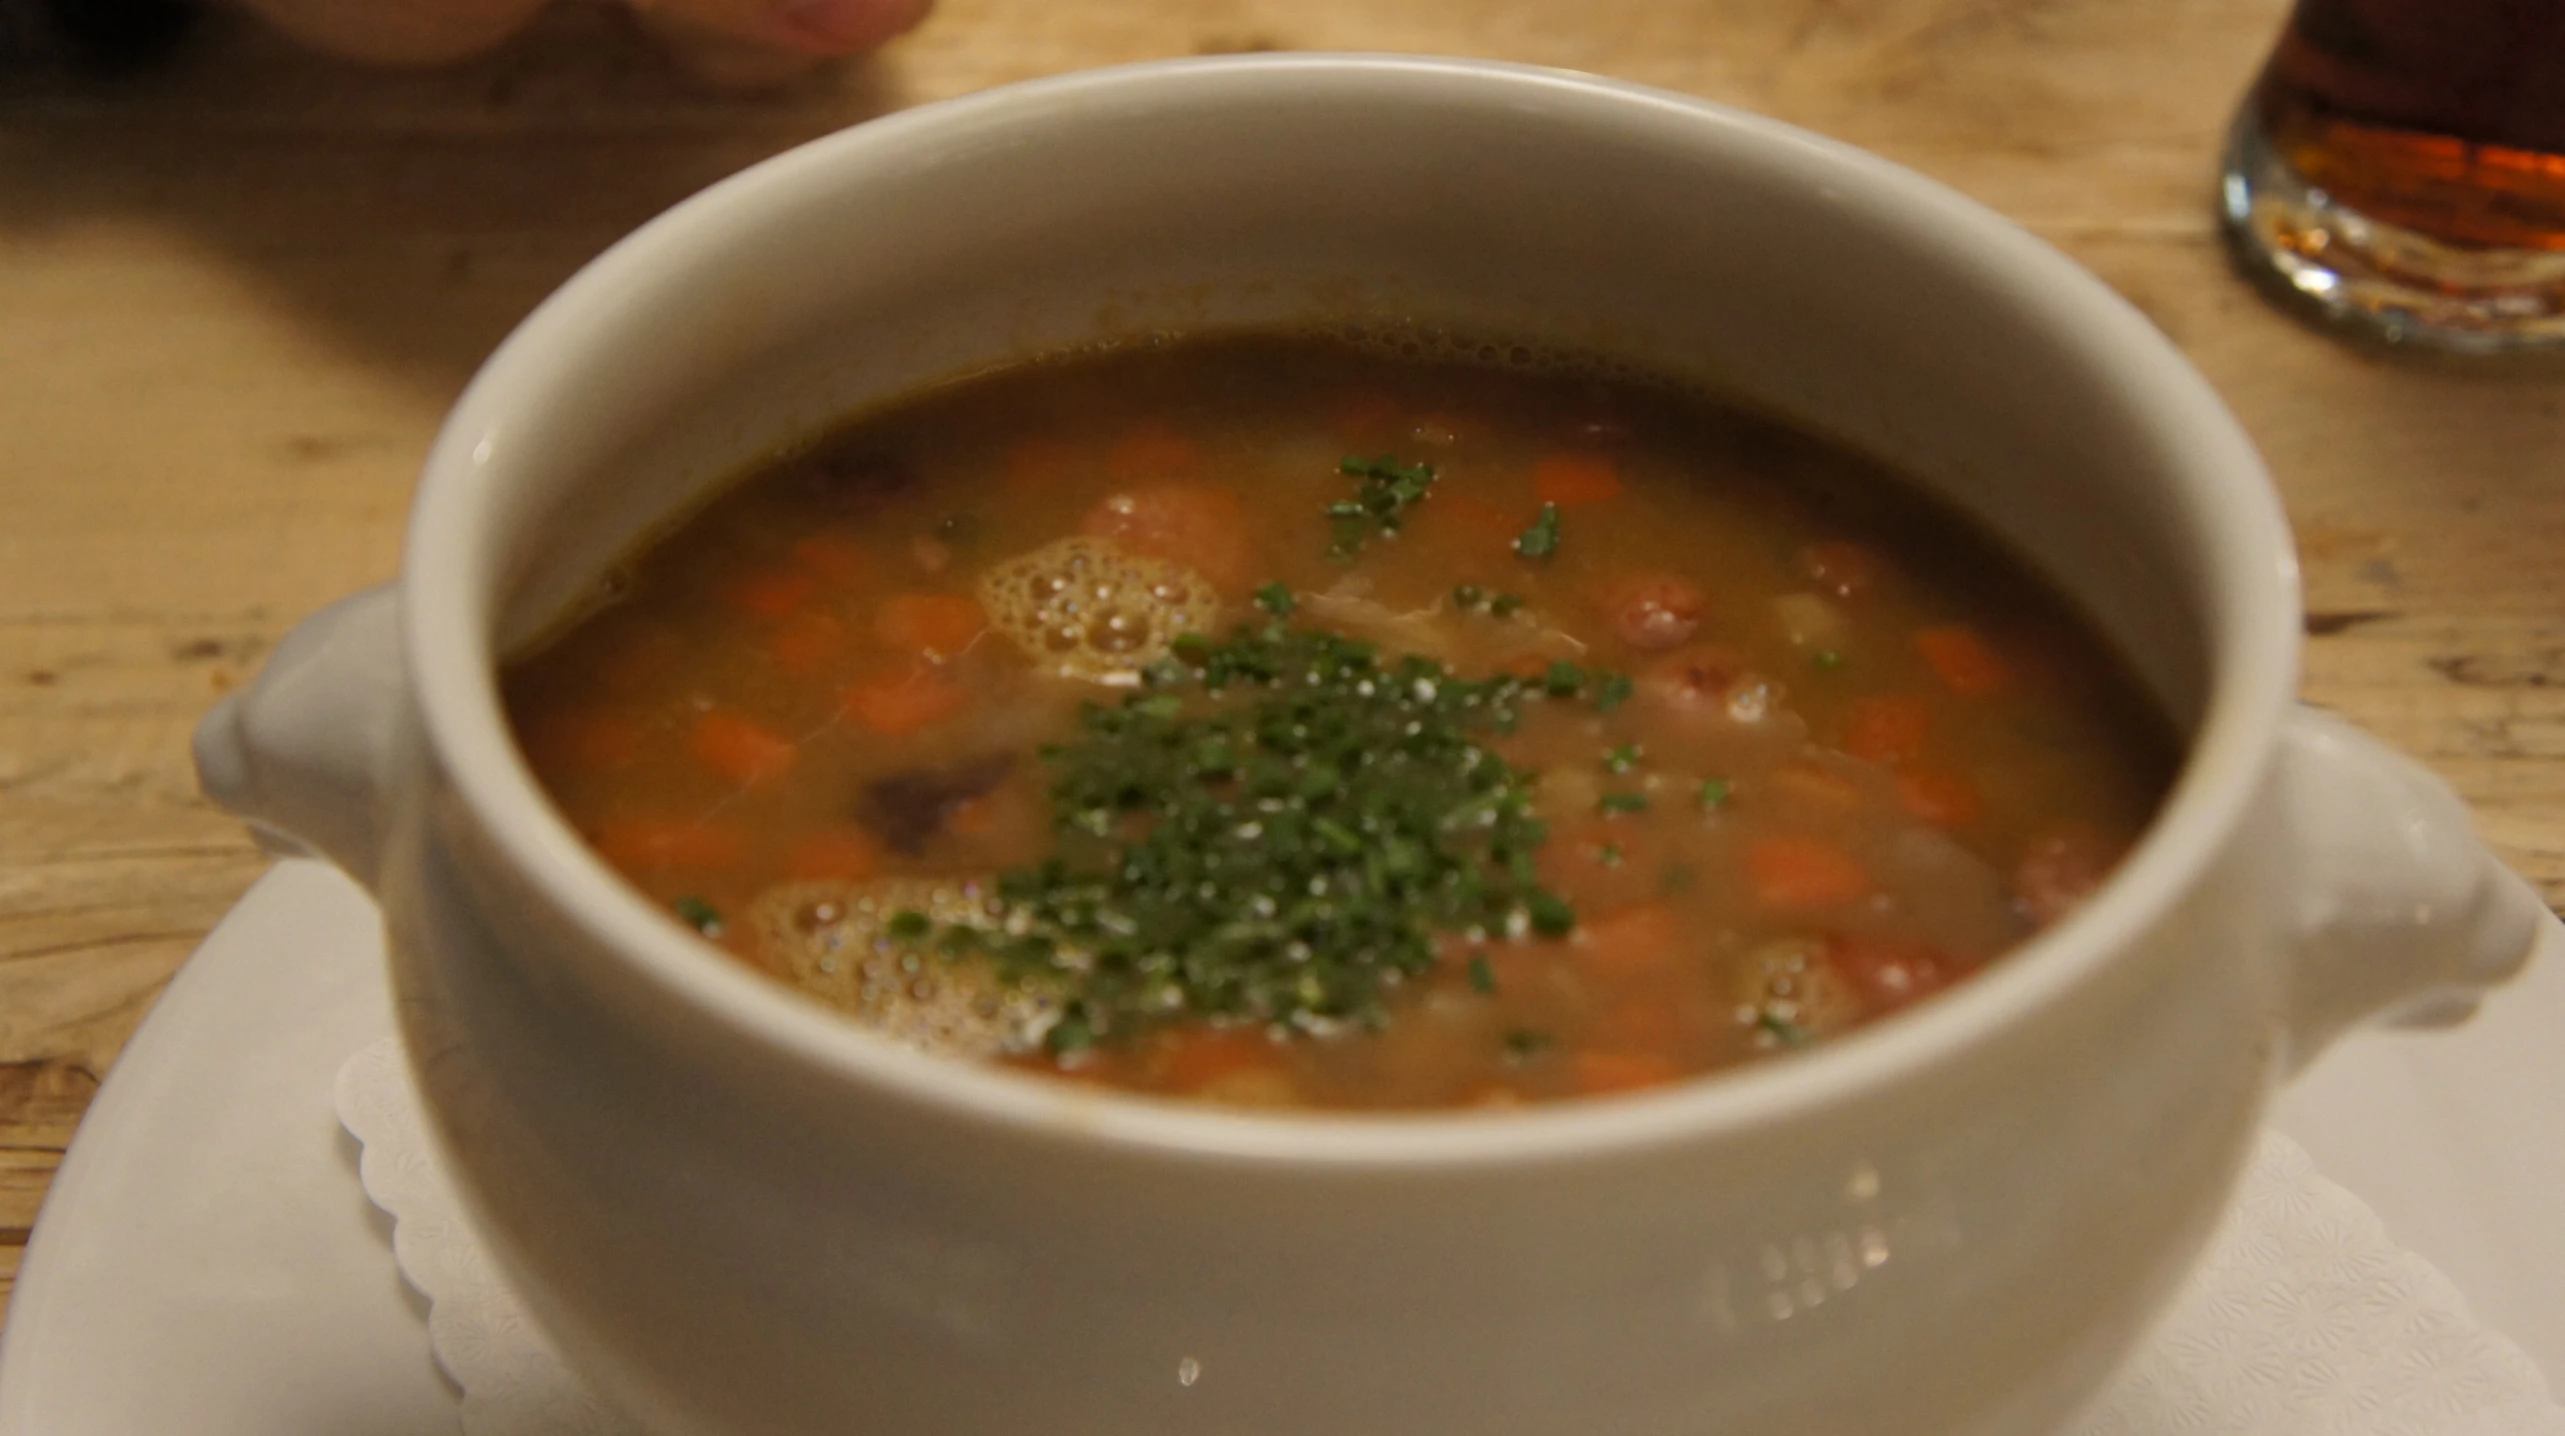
x=237, y=293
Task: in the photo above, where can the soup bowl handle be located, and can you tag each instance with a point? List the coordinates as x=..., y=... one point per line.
x=303, y=754
x=2400, y=913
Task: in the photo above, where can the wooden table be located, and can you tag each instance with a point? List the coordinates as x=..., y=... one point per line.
x=237, y=294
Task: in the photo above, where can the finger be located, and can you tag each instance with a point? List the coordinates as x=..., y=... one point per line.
x=397, y=32
x=815, y=27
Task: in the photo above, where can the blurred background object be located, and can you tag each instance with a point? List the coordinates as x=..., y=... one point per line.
x=96, y=36
x=749, y=42
x=2400, y=169
x=428, y=32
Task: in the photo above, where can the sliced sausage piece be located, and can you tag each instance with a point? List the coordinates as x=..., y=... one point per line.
x=1707, y=684
x=2060, y=868
x=1888, y=974
x=1655, y=612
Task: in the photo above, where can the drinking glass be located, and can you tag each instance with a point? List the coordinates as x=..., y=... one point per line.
x=2399, y=170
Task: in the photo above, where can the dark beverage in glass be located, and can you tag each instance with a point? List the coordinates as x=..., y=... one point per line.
x=2400, y=167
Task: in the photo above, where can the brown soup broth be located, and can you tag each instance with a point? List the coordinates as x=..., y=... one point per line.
x=1873, y=751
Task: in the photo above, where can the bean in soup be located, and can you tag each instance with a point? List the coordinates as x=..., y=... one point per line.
x=1283, y=723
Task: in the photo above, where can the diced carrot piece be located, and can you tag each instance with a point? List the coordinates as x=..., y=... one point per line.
x=1038, y=464
x=1963, y=660
x=1152, y=453
x=808, y=641
x=937, y=625
x=1889, y=974
x=738, y=748
x=839, y=559
x=1810, y=786
x=835, y=853
x=773, y=595
x=1803, y=872
x=1940, y=798
x=1570, y=480
x=582, y=740
x=657, y=844
x=1889, y=729
x=1194, y=1058
x=1598, y=1074
x=1843, y=568
x=905, y=702
x=1632, y=942
x=1205, y=529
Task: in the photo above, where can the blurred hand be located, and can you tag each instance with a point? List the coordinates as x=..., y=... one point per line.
x=427, y=32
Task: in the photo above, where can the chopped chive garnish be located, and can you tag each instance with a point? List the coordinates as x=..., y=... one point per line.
x=1624, y=803
x=1621, y=759
x=1274, y=834
x=1380, y=503
x=1069, y=1036
x=1482, y=976
x=1563, y=679
x=1714, y=794
x=1788, y=1033
x=908, y=925
x=1551, y=916
x=1276, y=599
x=1542, y=539
x=1609, y=855
x=698, y=914
x=1505, y=605
x=1611, y=691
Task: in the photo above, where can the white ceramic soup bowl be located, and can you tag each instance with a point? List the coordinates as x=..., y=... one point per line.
x=738, y=1213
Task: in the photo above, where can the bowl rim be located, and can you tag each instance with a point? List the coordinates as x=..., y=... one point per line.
x=2250, y=580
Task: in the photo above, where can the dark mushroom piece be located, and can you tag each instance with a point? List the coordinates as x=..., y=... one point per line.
x=906, y=809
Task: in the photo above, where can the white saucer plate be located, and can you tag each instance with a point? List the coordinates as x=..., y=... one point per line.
x=206, y=1263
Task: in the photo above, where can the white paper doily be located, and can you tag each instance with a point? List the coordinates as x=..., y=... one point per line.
x=2304, y=1321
